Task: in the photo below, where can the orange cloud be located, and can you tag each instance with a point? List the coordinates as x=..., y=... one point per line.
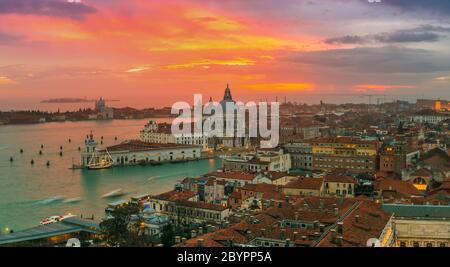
x=5, y=80
x=209, y=62
x=137, y=69
x=284, y=87
x=380, y=87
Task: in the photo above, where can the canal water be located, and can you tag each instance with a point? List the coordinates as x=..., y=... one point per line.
x=30, y=193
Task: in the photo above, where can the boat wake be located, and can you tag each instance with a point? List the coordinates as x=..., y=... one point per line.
x=153, y=178
x=49, y=200
x=115, y=193
x=73, y=200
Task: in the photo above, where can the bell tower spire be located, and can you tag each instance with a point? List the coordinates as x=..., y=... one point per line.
x=227, y=96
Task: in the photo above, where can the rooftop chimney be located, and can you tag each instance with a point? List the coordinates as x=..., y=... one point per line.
x=333, y=235
x=263, y=232
x=283, y=234
x=200, y=243
x=322, y=228
x=357, y=218
x=193, y=234
x=296, y=215
x=200, y=230
x=339, y=241
x=177, y=239
x=316, y=224
x=295, y=235
x=336, y=211
x=340, y=227
x=183, y=240
x=288, y=242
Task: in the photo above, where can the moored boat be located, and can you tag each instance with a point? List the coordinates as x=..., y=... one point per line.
x=55, y=219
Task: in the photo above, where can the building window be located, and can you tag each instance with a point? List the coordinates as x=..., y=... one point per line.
x=429, y=245
x=402, y=244
x=416, y=244
x=443, y=245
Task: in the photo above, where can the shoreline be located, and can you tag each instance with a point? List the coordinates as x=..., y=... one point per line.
x=86, y=120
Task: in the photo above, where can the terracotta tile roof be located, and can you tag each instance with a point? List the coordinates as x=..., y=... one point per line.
x=422, y=172
x=262, y=188
x=370, y=223
x=175, y=195
x=343, y=139
x=276, y=175
x=218, y=238
x=439, y=161
x=443, y=189
x=396, y=188
x=339, y=179
x=365, y=222
x=306, y=183
x=245, y=176
x=236, y=195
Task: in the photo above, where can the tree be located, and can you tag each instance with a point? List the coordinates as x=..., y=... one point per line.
x=168, y=235
x=116, y=229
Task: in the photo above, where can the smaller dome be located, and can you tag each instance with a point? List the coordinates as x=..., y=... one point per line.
x=148, y=211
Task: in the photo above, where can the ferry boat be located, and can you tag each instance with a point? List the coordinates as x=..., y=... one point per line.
x=55, y=219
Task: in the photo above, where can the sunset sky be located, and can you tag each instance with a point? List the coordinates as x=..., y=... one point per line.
x=153, y=53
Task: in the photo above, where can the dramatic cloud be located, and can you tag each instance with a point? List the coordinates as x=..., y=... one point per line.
x=280, y=87
x=431, y=6
x=389, y=59
x=52, y=8
x=209, y=62
x=158, y=52
x=424, y=33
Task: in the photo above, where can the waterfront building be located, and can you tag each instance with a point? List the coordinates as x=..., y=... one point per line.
x=102, y=111
x=348, y=153
x=230, y=123
x=162, y=134
x=100, y=104
x=134, y=152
